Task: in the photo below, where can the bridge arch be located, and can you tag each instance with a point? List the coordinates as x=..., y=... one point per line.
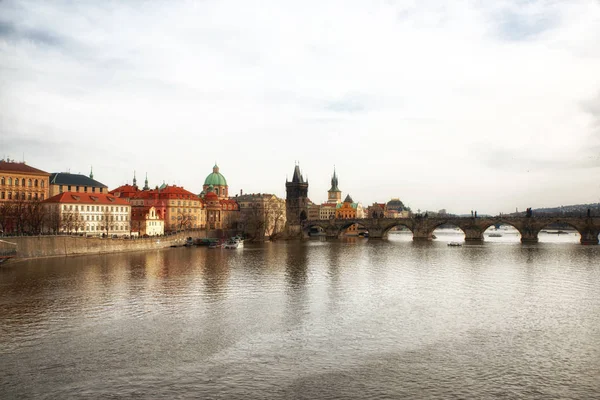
x=447, y=231
x=555, y=232
x=488, y=224
x=387, y=230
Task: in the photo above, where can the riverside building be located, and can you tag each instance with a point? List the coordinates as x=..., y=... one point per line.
x=89, y=213
x=19, y=181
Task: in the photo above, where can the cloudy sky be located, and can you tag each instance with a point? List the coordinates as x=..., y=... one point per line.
x=486, y=105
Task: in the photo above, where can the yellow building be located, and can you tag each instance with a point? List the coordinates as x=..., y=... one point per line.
x=19, y=181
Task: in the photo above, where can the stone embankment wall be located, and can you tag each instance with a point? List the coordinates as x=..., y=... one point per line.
x=63, y=245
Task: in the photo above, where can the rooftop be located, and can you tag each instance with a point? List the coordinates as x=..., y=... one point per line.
x=66, y=178
x=86, y=198
x=21, y=167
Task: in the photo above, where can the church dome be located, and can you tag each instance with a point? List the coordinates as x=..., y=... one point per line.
x=215, y=178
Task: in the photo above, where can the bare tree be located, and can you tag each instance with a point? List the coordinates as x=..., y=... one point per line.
x=184, y=219
x=6, y=216
x=53, y=219
x=36, y=213
x=68, y=220
x=275, y=216
x=19, y=213
x=107, y=218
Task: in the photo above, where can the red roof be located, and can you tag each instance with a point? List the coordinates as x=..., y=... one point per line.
x=210, y=196
x=329, y=204
x=125, y=191
x=86, y=198
x=20, y=167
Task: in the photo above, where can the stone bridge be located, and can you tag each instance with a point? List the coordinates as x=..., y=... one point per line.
x=473, y=227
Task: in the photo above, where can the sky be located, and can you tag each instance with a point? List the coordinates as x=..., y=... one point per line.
x=461, y=105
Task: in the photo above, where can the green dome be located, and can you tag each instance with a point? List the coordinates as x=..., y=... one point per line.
x=215, y=178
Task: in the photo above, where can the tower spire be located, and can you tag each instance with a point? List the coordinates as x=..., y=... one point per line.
x=146, y=187
x=91, y=172
x=134, y=180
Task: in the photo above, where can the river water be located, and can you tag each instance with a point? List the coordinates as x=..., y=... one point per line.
x=355, y=318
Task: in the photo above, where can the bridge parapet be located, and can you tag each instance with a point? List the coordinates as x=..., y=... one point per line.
x=422, y=228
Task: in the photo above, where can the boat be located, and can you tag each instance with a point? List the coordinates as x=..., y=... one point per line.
x=214, y=245
x=495, y=234
x=189, y=242
x=8, y=250
x=231, y=244
x=454, y=244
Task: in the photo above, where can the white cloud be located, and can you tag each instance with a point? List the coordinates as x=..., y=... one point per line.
x=444, y=104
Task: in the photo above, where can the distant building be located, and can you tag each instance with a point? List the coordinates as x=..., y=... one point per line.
x=334, y=194
x=90, y=213
x=61, y=182
x=19, y=181
x=261, y=214
x=218, y=183
x=296, y=202
x=327, y=210
x=376, y=210
x=313, y=210
x=183, y=209
x=396, y=209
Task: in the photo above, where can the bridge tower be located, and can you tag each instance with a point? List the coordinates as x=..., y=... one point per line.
x=296, y=202
x=334, y=195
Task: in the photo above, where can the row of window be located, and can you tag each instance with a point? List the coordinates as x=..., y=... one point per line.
x=22, y=195
x=29, y=182
x=98, y=208
x=100, y=228
x=85, y=189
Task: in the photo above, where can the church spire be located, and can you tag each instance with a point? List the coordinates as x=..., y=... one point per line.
x=146, y=187
x=91, y=172
x=134, y=180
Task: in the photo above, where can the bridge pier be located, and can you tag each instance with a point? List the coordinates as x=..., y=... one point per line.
x=473, y=235
x=589, y=237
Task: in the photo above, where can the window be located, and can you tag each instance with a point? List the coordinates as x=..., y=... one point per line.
x=28, y=196
x=10, y=195
x=93, y=190
x=2, y=182
x=69, y=188
x=60, y=188
x=23, y=182
x=85, y=189
x=43, y=183
x=36, y=183
x=16, y=181
x=10, y=181
x=2, y=195
x=77, y=188
x=29, y=182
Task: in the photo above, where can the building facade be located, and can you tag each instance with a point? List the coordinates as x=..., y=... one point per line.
x=19, y=181
x=261, y=214
x=296, y=202
x=89, y=213
x=61, y=182
x=22, y=188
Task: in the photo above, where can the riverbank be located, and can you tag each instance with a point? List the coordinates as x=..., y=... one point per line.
x=66, y=245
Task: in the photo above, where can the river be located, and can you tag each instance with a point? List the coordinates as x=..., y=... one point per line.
x=354, y=318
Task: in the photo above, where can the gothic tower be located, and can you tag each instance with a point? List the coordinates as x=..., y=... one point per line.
x=296, y=201
x=334, y=195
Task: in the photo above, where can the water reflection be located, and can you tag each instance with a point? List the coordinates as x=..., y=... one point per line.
x=351, y=318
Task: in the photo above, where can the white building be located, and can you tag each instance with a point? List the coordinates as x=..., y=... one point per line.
x=89, y=213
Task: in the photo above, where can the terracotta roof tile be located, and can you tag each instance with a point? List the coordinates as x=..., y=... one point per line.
x=86, y=198
x=20, y=167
